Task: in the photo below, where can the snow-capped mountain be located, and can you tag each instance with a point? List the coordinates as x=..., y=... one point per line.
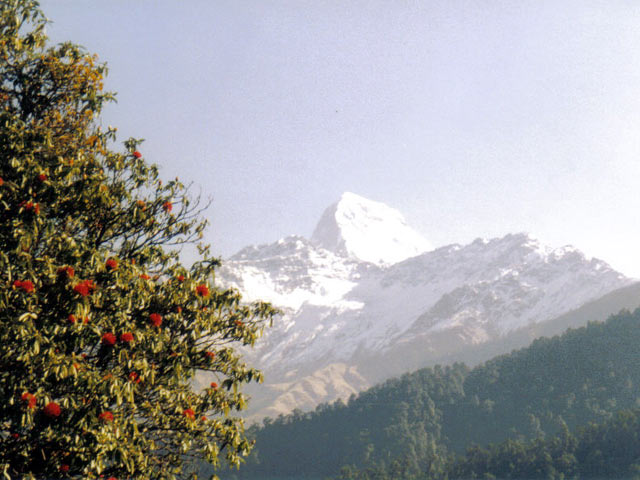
x=366, y=289
x=366, y=230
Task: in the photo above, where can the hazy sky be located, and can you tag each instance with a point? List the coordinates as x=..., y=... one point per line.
x=473, y=118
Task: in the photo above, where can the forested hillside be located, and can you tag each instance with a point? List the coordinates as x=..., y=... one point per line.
x=607, y=450
x=421, y=419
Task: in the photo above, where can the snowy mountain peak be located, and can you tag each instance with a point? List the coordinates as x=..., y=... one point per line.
x=366, y=230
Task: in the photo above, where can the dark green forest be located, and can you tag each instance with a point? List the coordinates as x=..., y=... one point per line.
x=608, y=450
x=504, y=411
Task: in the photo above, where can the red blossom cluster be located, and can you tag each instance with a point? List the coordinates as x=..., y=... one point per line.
x=167, y=206
x=1, y=181
x=30, y=206
x=24, y=285
x=155, y=319
x=202, y=290
x=144, y=276
x=137, y=154
x=66, y=272
x=106, y=417
x=134, y=377
x=189, y=413
x=126, y=337
x=180, y=278
x=29, y=399
x=111, y=264
x=108, y=339
x=210, y=355
x=73, y=319
x=52, y=410
x=214, y=385
x=85, y=287
x=42, y=177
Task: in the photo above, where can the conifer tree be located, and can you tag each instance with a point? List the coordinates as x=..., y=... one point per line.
x=102, y=328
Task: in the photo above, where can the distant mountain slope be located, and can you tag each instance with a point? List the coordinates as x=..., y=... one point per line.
x=584, y=375
x=348, y=308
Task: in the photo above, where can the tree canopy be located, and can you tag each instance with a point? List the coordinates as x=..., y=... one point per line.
x=102, y=327
x=409, y=427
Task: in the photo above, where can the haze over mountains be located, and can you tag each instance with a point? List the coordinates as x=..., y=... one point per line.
x=366, y=297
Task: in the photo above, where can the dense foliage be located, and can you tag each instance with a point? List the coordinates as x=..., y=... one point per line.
x=412, y=425
x=102, y=329
x=607, y=450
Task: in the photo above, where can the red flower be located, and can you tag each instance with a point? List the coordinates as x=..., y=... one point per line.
x=29, y=399
x=112, y=478
x=106, y=417
x=155, y=319
x=179, y=309
x=202, y=290
x=52, y=409
x=85, y=320
x=66, y=272
x=72, y=318
x=109, y=339
x=126, y=337
x=210, y=355
x=137, y=154
x=203, y=418
x=30, y=206
x=167, y=206
x=141, y=204
x=214, y=385
x=15, y=435
x=134, y=377
x=84, y=288
x=64, y=468
x=144, y=276
x=1, y=181
x=112, y=264
x=42, y=177
x=180, y=278
x=189, y=413
x=26, y=205
x=24, y=285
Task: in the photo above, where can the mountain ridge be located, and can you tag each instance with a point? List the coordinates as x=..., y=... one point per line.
x=341, y=309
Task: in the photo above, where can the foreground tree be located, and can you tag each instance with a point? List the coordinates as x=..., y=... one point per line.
x=102, y=329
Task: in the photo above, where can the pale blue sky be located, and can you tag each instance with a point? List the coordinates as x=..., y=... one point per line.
x=473, y=118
